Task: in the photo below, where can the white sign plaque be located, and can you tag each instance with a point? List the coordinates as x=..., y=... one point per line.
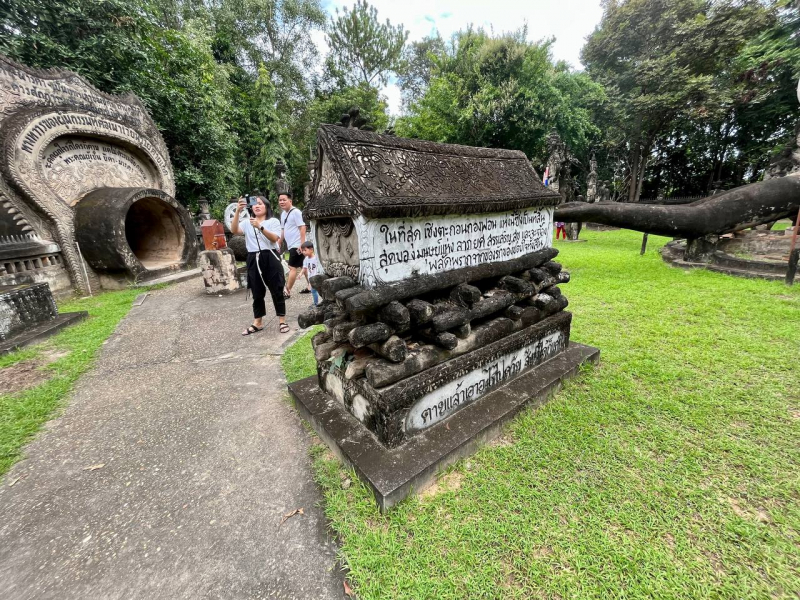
x=396, y=249
x=444, y=401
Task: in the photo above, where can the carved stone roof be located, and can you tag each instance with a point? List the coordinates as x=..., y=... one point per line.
x=365, y=173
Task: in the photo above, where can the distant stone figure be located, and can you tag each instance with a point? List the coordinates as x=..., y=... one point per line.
x=787, y=160
x=604, y=195
x=591, y=181
x=555, y=163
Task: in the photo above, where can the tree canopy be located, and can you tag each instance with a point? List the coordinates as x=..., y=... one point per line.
x=681, y=78
x=677, y=97
x=504, y=92
x=364, y=50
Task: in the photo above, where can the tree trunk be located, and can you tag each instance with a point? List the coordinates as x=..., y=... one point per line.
x=741, y=208
x=635, y=158
x=640, y=176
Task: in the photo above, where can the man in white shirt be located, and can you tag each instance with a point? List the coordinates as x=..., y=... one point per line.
x=293, y=231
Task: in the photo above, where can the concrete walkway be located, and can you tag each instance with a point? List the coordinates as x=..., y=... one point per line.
x=169, y=472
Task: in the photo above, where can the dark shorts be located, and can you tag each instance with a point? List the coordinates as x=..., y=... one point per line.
x=296, y=258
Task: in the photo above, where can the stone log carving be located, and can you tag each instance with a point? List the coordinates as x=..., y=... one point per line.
x=425, y=248
x=440, y=292
x=737, y=209
x=60, y=140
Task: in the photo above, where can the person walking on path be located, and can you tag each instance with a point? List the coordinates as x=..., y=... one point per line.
x=264, y=269
x=293, y=231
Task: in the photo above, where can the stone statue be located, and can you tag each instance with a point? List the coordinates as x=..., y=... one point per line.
x=281, y=185
x=591, y=181
x=352, y=119
x=787, y=160
x=604, y=194
x=205, y=209
x=556, y=161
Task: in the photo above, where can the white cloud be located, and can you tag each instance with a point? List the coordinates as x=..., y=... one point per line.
x=569, y=21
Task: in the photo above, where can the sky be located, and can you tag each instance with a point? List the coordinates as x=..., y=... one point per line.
x=569, y=21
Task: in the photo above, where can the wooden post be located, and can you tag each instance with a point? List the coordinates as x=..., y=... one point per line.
x=791, y=270
x=794, y=253
x=644, y=245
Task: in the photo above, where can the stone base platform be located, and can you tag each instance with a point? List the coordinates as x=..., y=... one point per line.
x=599, y=227
x=171, y=277
x=41, y=331
x=722, y=262
x=394, y=474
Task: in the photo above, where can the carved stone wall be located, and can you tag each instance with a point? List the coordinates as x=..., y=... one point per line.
x=396, y=249
x=74, y=166
x=336, y=242
x=60, y=139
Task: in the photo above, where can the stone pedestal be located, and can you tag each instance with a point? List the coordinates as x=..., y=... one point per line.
x=28, y=314
x=394, y=473
x=400, y=410
x=219, y=271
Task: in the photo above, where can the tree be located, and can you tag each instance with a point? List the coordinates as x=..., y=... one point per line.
x=659, y=61
x=765, y=75
x=271, y=135
x=118, y=46
x=221, y=78
x=419, y=59
x=503, y=92
x=251, y=33
x=363, y=49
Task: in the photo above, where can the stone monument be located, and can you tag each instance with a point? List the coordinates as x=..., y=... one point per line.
x=442, y=308
x=604, y=194
x=556, y=161
x=28, y=314
x=574, y=229
x=591, y=181
x=86, y=193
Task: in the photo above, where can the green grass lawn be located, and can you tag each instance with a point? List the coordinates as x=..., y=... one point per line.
x=672, y=470
x=23, y=413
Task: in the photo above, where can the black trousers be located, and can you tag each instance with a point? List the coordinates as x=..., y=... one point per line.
x=272, y=272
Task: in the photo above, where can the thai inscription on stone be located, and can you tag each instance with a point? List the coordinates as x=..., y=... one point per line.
x=75, y=165
x=19, y=87
x=444, y=401
x=401, y=248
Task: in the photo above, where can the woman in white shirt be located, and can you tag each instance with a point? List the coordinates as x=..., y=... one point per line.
x=264, y=269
